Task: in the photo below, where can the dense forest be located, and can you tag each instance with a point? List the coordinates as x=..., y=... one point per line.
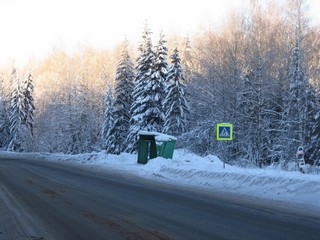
x=260, y=71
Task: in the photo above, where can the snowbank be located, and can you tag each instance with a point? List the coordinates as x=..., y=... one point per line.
x=207, y=173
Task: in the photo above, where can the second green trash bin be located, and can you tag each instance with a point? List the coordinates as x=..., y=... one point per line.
x=165, y=145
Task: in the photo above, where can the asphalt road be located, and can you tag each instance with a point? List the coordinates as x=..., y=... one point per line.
x=45, y=200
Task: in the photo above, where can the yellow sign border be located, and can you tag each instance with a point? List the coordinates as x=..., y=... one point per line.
x=220, y=125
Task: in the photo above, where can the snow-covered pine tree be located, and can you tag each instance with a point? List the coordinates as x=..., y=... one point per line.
x=17, y=114
x=4, y=118
x=315, y=140
x=255, y=107
x=72, y=130
x=108, y=117
x=161, y=66
x=117, y=133
x=156, y=88
x=187, y=59
x=4, y=125
x=28, y=102
x=256, y=115
x=175, y=103
x=142, y=118
x=312, y=125
x=296, y=103
x=295, y=112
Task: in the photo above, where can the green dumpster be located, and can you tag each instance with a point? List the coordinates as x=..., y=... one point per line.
x=160, y=146
x=154, y=144
x=147, y=146
x=168, y=149
x=165, y=145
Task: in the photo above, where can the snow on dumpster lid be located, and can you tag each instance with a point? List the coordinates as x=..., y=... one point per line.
x=148, y=133
x=158, y=136
x=164, y=137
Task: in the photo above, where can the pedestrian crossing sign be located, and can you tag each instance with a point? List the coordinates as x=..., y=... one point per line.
x=224, y=131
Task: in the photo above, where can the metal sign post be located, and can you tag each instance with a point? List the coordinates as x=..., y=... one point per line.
x=224, y=133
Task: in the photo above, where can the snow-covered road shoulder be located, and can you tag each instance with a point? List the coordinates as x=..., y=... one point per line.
x=207, y=173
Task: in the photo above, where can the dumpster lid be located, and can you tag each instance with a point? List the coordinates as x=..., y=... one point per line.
x=164, y=137
x=158, y=136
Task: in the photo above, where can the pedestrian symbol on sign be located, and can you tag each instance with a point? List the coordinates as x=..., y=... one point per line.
x=224, y=131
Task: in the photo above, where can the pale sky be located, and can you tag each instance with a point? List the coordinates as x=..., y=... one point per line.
x=32, y=28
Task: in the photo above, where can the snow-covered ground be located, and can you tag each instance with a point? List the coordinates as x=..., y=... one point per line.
x=206, y=173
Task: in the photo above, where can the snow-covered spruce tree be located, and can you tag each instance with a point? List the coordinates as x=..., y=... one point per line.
x=257, y=118
x=187, y=59
x=4, y=115
x=312, y=125
x=315, y=140
x=17, y=114
x=175, y=103
x=142, y=116
x=156, y=87
x=71, y=127
x=4, y=126
x=161, y=66
x=78, y=121
x=118, y=131
x=28, y=102
x=295, y=112
x=108, y=117
x=257, y=111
